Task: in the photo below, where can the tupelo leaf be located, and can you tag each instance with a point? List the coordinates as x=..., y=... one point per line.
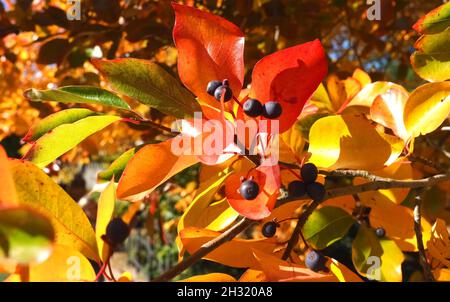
x=150, y=84
x=105, y=212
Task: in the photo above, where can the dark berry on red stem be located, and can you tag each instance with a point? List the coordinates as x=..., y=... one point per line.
x=309, y=173
x=296, y=188
x=316, y=191
x=380, y=232
x=212, y=86
x=249, y=189
x=117, y=231
x=225, y=90
x=315, y=261
x=252, y=107
x=269, y=229
x=272, y=110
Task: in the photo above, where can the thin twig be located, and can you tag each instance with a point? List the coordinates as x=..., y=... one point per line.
x=418, y=230
x=205, y=249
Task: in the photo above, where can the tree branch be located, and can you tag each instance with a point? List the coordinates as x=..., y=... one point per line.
x=418, y=230
x=205, y=249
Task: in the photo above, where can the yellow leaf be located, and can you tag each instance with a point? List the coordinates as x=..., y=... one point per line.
x=336, y=91
x=37, y=190
x=294, y=140
x=8, y=196
x=235, y=253
x=442, y=274
x=439, y=244
x=347, y=141
x=125, y=277
x=343, y=273
x=427, y=107
x=105, y=212
x=213, y=277
x=252, y=275
x=362, y=77
x=64, y=265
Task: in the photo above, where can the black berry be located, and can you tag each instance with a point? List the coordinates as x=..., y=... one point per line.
x=225, y=90
x=269, y=229
x=316, y=191
x=296, y=188
x=117, y=231
x=272, y=110
x=315, y=261
x=253, y=107
x=309, y=173
x=249, y=189
x=212, y=86
x=380, y=232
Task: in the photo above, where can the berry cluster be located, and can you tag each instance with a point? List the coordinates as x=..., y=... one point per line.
x=251, y=107
x=308, y=185
x=315, y=261
x=218, y=89
x=254, y=108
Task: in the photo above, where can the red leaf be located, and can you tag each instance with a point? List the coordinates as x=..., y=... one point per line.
x=268, y=179
x=209, y=48
x=289, y=76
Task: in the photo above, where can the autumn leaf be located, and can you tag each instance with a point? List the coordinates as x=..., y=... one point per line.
x=77, y=94
x=212, y=277
x=38, y=191
x=8, y=196
x=209, y=48
x=65, y=137
x=105, y=212
x=148, y=83
x=434, y=21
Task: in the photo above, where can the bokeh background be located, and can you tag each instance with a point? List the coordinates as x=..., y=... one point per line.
x=41, y=48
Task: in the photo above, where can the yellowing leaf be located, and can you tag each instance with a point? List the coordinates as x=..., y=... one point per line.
x=105, y=212
x=376, y=259
x=347, y=141
x=65, y=137
x=427, y=107
x=252, y=275
x=8, y=196
x=240, y=249
x=442, y=274
x=362, y=76
x=64, y=265
x=38, y=191
x=213, y=277
x=370, y=92
x=439, y=244
x=125, y=277
x=343, y=273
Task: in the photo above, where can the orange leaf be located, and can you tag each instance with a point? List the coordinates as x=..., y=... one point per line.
x=8, y=196
x=213, y=277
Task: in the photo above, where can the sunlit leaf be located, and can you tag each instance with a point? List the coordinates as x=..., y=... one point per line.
x=54, y=120
x=431, y=60
x=105, y=212
x=434, y=21
x=148, y=83
x=376, y=259
x=241, y=249
x=38, y=191
x=427, y=108
x=325, y=226
x=272, y=79
x=347, y=141
x=252, y=275
x=77, y=94
x=25, y=236
x=209, y=48
x=343, y=273
x=212, y=277
x=151, y=166
x=439, y=244
x=117, y=166
x=8, y=196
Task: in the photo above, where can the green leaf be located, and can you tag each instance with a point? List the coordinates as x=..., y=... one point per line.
x=325, y=226
x=56, y=119
x=65, y=137
x=431, y=61
x=435, y=21
x=376, y=259
x=25, y=236
x=37, y=190
x=150, y=84
x=116, y=168
x=77, y=94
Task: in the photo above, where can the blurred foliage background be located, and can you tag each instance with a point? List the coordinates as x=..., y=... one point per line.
x=41, y=48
